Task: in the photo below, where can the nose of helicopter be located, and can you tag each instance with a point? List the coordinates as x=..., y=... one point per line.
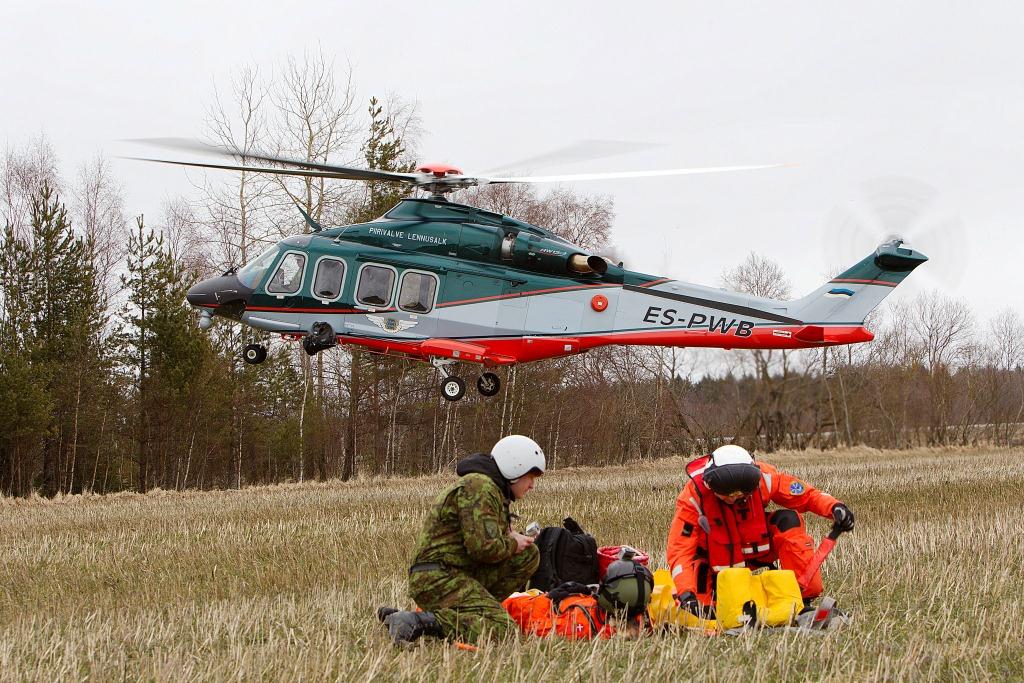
x=224, y=295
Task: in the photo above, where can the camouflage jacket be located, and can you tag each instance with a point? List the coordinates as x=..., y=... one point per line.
x=468, y=525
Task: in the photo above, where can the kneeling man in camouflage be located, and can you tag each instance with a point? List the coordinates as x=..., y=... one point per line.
x=469, y=558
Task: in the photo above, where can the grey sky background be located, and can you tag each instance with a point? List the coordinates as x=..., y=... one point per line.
x=900, y=113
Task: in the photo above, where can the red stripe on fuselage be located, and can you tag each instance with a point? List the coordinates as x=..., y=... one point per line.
x=655, y=282
x=287, y=309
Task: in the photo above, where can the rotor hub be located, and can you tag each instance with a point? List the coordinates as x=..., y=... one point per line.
x=439, y=170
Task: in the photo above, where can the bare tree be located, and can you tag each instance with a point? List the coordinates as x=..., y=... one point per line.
x=23, y=175
x=770, y=406
x=1007, y=338
x=942, y=326
x=237, y=205
x=315, y=121
x=99, y=210
x=583, y=220
x=185, y=237
x=760, y=276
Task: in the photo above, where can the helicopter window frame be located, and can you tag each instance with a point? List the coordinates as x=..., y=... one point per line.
x=359, y=279
x=433, y=299
x=280, y=263
x=316, y=272
x=255, y=271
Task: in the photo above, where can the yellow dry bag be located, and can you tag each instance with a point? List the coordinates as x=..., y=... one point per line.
x=772, y=597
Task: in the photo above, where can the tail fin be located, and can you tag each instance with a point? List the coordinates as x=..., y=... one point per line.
x=850, y=296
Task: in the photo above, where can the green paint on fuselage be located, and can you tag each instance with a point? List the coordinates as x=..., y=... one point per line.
x=460, y=244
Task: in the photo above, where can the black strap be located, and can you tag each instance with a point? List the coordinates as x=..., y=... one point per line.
x=593, y=626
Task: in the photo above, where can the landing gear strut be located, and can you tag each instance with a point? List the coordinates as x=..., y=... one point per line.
x=254, y=354
x=452, y=387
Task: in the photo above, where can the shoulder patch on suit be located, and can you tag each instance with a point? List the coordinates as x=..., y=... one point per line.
x=796, y=488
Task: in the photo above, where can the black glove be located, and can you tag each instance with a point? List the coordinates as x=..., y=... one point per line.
x=689, y=602
x=843, y=517
x=562, y=591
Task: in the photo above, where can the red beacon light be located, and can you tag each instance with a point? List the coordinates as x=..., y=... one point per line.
x=439, y=170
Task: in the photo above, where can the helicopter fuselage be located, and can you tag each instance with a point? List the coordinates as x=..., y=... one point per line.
x=435, y=280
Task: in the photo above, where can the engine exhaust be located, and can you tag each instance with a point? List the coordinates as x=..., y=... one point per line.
x=581, y=263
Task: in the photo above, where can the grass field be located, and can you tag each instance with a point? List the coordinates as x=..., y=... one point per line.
x=281, y=583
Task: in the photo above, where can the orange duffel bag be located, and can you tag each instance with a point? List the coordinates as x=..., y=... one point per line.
x=577, y=617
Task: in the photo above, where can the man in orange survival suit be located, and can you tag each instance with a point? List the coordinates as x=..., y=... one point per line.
x=721, y=521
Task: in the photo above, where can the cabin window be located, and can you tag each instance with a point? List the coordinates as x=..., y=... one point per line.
x=252, y=272
x=375, y=285
x=329, y=275
x=416, y=294
x=288, y=278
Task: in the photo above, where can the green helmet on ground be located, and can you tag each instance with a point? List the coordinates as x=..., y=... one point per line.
x=627, y=587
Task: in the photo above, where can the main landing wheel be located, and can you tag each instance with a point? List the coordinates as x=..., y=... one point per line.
x=453, y=388
x=488, y=384
x=254, y=354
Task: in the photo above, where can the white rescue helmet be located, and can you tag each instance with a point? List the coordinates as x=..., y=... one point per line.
x=517, y=455
x=731, y=454
x=732, y=471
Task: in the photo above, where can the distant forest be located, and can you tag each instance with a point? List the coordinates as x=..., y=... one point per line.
x=107, y=383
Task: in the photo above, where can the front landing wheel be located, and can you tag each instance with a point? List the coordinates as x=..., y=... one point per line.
x=254, y=354
x=453, y=388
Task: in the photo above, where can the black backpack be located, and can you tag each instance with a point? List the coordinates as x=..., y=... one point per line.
x=567, y=553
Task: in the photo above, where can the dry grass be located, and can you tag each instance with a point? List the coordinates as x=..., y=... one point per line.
x=280, y=583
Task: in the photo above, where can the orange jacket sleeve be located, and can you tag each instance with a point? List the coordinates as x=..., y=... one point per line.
x=795, y=494
x=683, y=541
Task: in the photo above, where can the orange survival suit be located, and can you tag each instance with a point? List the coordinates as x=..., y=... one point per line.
x=743, y=533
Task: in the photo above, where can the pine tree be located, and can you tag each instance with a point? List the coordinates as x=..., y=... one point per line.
x=383, y=150
x=142, y=285
x=25, y=410
x=64, y=329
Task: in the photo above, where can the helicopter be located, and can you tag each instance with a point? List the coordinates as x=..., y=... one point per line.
x=448, y=283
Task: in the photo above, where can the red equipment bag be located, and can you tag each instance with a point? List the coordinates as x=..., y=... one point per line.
x=609, y=553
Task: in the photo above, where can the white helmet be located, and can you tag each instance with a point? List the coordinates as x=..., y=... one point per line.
x=517, y=455
x=731, y=454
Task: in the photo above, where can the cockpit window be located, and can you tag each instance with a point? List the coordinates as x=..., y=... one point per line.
x=375, y=285
x=251, y=273
x=417, y=292
x=288, y=277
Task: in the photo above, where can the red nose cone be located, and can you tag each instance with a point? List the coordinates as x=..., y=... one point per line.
x=439, y=170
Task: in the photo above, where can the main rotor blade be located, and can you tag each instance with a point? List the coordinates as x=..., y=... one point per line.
x=342, y=172
x=364, y=175
x=631, y=174
x=584, y=150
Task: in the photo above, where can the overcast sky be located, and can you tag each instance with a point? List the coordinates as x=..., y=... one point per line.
x=900, y=117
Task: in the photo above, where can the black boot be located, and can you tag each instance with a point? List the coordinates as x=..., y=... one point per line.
x=406, y=627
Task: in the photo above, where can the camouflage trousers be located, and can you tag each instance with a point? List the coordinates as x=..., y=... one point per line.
x=467, y=602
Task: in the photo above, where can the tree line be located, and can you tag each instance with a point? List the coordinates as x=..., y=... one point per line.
x=107, y=384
